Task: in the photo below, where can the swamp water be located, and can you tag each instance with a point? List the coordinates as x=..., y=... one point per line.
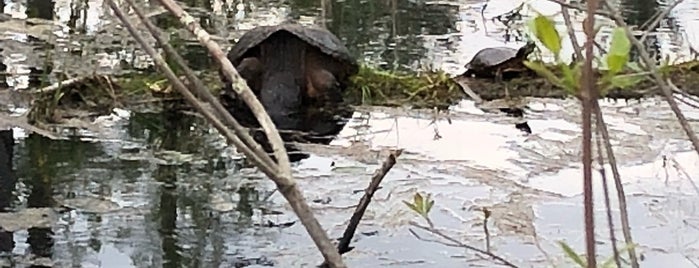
x=162, y=190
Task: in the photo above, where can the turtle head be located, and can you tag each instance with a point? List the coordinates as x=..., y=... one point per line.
x=526, y=49
x=281, y=97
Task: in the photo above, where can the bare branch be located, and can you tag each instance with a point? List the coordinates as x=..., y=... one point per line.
x=238, y=84
x=599, y=124
x=343, y=247
x=588, y=93
x=256, y=153
x=376, y=179
x=621, y=195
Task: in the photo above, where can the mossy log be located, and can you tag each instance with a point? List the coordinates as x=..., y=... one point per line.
x=369, y=87
x=685, y=76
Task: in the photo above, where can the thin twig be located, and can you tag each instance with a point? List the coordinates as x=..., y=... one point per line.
x=675, y=89
x=432, y=240
x=605, y=184
x=486, y=216
x=679, y=168
x=439, y=233
x=60, y=84
x=571, y=33
x=344, y=245
x=580, y=8
x=621, y=195
x=376, y=179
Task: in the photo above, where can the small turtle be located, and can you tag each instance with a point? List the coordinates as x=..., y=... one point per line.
x=497, y=62
x=289, y=64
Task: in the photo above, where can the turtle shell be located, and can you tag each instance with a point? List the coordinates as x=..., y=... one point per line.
x=490, y=57
x=315, y=36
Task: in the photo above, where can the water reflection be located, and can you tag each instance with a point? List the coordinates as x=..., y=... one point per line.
x=641, y=13
x=170, y=222
x=7, y=186
x=40, y=9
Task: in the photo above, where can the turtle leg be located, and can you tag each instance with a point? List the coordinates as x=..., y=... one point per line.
x=321, y=83
x=498, y=79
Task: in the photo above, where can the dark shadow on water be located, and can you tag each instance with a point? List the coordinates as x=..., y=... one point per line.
x=314, y=125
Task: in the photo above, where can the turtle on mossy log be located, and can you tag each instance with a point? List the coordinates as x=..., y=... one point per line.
x=499, y=62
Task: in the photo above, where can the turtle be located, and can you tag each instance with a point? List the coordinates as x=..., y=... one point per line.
x=497, y=62
x=290, y=65
x=294, y=70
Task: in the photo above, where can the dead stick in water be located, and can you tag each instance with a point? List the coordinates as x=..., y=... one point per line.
x=59, y=84
x=379, y=174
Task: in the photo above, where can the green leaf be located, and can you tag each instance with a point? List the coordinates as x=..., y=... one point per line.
x=571, y=78
x=634, y=66
x=412, y=206
x=545, y=31
x=626, y=81
x=572, y=255
x=429, y=207
x=541, y=69
x=619, y=50
x=418, y=200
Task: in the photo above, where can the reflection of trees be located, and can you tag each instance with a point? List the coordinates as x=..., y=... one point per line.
x=395, y=25
x=42, y=9
x=384, y=29
x=70, y=155
x=41, y=182
x=638, y=12
x=172, y=129
x=7, y=185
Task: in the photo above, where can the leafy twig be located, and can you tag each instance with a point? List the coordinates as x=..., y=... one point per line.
x=437, y=232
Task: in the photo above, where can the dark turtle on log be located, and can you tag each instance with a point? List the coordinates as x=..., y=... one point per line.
x=291, y=65
x=499, y=62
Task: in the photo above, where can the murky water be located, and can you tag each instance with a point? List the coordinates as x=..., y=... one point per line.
x=162, y=190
